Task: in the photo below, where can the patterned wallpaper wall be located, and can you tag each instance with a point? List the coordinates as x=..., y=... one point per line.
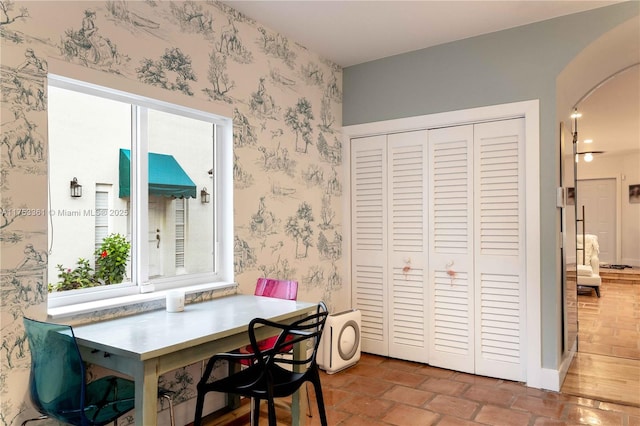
x=287, y=108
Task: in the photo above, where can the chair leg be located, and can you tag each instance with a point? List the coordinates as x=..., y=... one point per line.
x=255, y=411
x=272, y=412
x=319, y=398
x=34, y=419
x=168, y=395
x=597, y=289
x=197, y=421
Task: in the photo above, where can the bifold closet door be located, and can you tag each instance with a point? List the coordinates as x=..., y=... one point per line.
x=407, y=235
x=369, y=241
x=451, y=209
x=499, y=249
x=389, y=240
x=476, y=248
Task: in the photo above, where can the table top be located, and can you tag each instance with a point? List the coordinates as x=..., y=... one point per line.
x=155, y=333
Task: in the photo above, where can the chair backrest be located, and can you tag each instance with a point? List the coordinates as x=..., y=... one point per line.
x=279, y=289
x=57, y=377
x=306, y=331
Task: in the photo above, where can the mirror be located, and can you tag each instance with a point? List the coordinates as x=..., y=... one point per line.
x=600, y=198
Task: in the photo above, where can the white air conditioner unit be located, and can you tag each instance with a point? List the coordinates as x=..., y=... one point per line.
x=340, y=343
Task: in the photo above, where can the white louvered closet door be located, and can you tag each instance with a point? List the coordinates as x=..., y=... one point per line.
x=499, y=249
x=369, y=242
x=476, y=249
x=451, y=248
x=407, y=235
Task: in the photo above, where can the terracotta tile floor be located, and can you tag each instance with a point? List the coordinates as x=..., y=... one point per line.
x=380, y=391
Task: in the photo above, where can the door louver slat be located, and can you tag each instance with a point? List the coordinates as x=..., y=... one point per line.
x=449, y=198
x=451, y=299
x=498, y=169
x=369, y=299
x=368, y=205
x=407, y=189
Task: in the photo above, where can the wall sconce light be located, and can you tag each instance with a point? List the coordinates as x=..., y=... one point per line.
x=205, y=197
x=75, y=188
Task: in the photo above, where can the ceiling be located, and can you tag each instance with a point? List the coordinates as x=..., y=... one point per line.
x=611, y=115
x=353, y=32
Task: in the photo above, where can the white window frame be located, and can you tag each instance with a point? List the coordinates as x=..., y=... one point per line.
x=62, y=303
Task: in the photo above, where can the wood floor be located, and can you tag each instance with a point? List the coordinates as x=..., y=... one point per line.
x=605, y=378
x=607, y=365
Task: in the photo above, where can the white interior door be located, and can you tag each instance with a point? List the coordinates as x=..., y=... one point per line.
x=499, y=247
x=369, y=240
x=598, y=196
x=477, y=266
x=407, y=236
x=450, y=273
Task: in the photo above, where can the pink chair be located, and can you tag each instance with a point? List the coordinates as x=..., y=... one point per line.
x=278, y=289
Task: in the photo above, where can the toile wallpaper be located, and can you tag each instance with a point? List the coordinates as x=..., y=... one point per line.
x=288, y=178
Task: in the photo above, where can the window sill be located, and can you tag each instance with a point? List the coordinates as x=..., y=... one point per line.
x=153, y=300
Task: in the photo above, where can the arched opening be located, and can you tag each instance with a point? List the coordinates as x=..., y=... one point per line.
x=602, y=84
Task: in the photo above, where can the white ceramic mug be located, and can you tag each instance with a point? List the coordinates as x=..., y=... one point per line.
x=175, y=301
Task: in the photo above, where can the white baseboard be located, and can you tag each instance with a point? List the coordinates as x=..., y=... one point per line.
x=631, y=262
x=552, y=379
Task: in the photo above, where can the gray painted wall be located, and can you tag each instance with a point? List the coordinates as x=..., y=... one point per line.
x=507, y=66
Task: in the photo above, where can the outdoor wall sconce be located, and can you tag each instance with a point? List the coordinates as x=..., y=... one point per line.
x=205, y=197
x=75, y=188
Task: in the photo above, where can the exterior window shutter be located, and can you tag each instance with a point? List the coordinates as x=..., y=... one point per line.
x=101, y=217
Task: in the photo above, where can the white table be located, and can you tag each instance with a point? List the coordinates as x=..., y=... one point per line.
x=147, y=345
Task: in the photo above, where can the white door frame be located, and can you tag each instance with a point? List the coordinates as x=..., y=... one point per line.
x=537, y=377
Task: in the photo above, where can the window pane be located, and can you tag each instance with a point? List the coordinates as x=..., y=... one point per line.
x=181, y=226
x=85, y=135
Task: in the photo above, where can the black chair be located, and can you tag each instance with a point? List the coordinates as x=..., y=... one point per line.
x=270, y=375
x=57, y=381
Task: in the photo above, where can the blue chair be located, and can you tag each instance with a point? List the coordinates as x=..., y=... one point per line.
x=57, y=381
x=270, y=375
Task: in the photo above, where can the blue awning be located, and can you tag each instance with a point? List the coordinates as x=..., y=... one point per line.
x=166, y=177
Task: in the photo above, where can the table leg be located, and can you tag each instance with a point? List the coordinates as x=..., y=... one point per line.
x=146, y=380
x=299, y=399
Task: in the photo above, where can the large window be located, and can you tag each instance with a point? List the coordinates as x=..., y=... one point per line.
x=147, y=213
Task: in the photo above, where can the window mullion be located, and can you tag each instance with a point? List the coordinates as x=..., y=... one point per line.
x=140, y=158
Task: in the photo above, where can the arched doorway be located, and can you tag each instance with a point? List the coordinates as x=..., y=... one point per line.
x=607, y=59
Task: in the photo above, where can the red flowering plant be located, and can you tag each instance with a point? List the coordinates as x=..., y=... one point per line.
x=111, y=259
x=111, y=267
